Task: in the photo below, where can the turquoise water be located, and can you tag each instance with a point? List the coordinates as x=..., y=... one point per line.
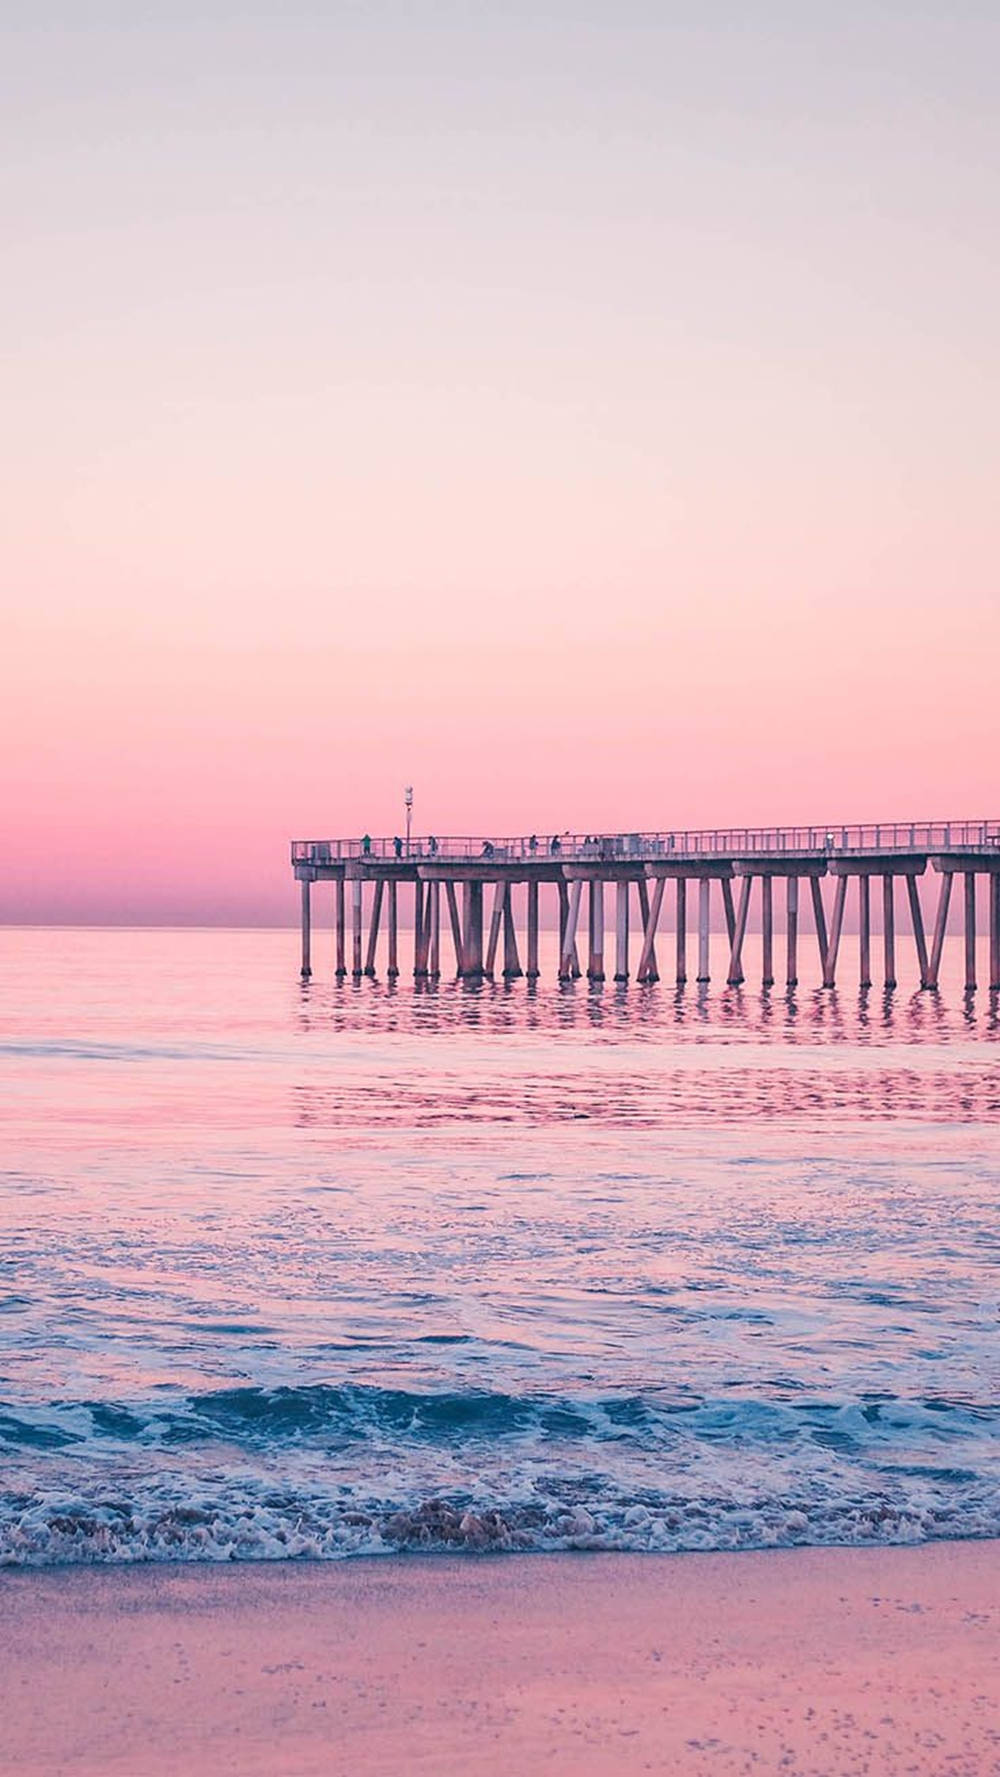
x=308, y=1271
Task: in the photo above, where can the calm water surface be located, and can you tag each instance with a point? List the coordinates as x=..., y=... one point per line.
x=313, y=1271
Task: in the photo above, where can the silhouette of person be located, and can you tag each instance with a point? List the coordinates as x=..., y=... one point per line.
x=366, y=845
x=397, y=846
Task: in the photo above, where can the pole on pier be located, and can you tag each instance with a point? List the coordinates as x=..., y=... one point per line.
x=306, y=930
x=595, y=935
x=970, y=931
x=917, y=922
x=393, y=969
x=356, y=888
x=533, y=930
x=456, y=925
x=681, y=935
x=819, y=919
x=739, y=933
x=647, y=960
x=704, y=908
x=994, y=881
x=889, y=928
x=511, y=961
x=339, y=921
x=865, y=929
x=792, y=930
x=836, y=927
x=621, y=930
x=567, y=956
x=767, y=926
x=472, y=936
x=376, y=915
x=940, y=927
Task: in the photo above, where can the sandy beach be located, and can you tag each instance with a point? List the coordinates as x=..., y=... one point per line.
x=811, y=1662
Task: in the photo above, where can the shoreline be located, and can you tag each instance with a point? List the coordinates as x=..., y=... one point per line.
x=822, y=1662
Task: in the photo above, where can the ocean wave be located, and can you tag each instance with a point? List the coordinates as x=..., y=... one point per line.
x=239, y=1522
x=321, y=1412
x=324, y=1472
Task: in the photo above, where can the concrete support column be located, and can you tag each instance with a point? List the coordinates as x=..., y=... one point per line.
x=940, y=928
x=563, y=917
x=767, y=928
x=595, y=958
x=889, y=928
x=393, y=968
x=340, y=925
x=356, y=910
x=434, y=924
x=917, y=921
x=836, y=927
x=819, y=920
x=472, y=933
x=419, y=930
x=567, y=951
x=704, y=910
x=376, y=916
x=511, y=961
x=533, y=931
x=451, y=896
x=647, y=960
x=792, y=931
x=728, y=909
x=500, y=892
x=306, y=970
x=735, y=975
x=356, y=919
x=649, y=969
x=994, y=882
x=681, y=910
x=621, y=931
x=970, y=931
x=865, y=930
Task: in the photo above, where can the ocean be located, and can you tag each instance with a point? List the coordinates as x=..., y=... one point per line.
x=313, y=1271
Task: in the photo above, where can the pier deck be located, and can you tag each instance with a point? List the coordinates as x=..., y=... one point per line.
x=447, y=880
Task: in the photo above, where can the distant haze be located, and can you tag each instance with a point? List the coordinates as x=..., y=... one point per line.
x=586, y=413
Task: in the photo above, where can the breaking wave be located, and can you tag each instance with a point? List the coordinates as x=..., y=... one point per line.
x=326, y=1472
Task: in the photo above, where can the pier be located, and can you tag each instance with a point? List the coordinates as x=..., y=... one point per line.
x=602, y=887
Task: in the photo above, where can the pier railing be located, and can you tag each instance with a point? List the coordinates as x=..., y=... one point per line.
x=878, y=838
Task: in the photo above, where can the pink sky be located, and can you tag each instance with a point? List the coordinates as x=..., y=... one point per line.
x=592, y=423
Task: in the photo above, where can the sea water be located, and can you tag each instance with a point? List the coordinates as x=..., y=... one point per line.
x=313, y=1270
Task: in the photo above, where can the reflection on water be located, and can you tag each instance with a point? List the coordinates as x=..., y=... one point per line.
x=292, y=1269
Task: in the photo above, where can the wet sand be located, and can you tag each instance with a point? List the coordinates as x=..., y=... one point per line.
x=802, y=1662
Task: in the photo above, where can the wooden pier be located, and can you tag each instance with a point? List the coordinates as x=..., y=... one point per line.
x=461, y=892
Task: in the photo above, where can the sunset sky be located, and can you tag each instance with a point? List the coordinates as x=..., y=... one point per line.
x=587, y=413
